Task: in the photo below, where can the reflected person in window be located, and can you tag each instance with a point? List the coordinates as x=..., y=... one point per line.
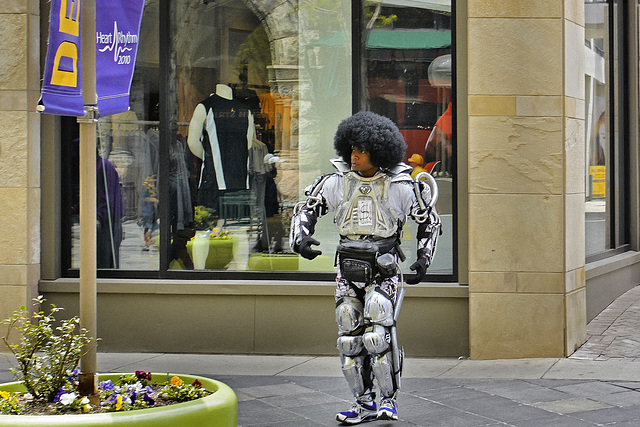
x=372, y=194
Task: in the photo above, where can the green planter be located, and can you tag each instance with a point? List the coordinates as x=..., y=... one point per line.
x=219, y=254
x=219, y=409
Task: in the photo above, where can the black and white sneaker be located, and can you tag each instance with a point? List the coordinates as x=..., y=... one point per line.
x=360, y=412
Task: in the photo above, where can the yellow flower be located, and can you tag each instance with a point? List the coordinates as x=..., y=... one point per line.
x=5, y=395
x=176, y=381
x=118, y=403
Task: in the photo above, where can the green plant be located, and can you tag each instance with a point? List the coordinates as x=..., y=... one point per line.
x=47, y=355
x=203, y=218
x=178, y=391
x=9, y=404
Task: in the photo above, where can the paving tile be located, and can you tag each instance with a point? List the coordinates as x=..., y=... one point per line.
x=554, y=421
x=593, y=389
x=611, y=415
x=519, y=391
x=625, y=398
x=279, y=390
x=258, y=413
x=571, y=405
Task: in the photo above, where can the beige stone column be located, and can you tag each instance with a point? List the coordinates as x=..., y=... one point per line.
x=19, y=154
x=526, y=178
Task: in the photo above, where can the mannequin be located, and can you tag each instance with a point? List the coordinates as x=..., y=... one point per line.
x=196, y=125
x=221, y=133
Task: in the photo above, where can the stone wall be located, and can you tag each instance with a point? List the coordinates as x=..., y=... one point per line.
x=19, y=153
x=526, y=186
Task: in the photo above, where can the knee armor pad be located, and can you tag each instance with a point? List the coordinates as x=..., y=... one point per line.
x=349, y=315
x=350, y=345
x=377, y=340
x=378, y=308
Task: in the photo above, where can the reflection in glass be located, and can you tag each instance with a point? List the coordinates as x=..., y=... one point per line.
x=127, y=169
x=597, y=122
x=408, y=69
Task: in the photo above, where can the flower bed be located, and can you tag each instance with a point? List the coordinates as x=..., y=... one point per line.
x=220, y=408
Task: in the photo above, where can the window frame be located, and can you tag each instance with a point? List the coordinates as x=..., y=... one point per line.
x=168, y=131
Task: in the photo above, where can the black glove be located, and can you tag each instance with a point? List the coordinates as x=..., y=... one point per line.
x=420, y=267
x=306, y=250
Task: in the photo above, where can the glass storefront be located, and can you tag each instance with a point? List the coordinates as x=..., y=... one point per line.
x=256, y=90
x=606, y=128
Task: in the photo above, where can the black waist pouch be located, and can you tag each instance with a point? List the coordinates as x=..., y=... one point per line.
x=358, y=261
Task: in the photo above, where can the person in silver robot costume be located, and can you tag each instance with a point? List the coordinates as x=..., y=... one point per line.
x=372, y=195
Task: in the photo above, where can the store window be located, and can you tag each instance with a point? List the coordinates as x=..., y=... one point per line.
x=235, y=115
x=606, y=127
x=406, y=67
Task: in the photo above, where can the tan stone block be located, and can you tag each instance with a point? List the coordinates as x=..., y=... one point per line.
x=574, y=108
x=13, y=100
x=13, y=149
x=540, y=283
x=15, y=6
x=574, y=279
x=11, y=298
x=13, y=275
x=574, y=231
x=33, y=142
x=503, y=326
x=521, y=233
x=515, y=56
x=33, y=225
x=576, y=320
x=33, y=67
x=574, y=159
x=13, y=223
x=574, y=66
x=492, y=105
x=574, y=11
x=492, y=281
x=515, y=8
x=34, y=7
x=13, y=51
x=515, y=154
x=540, y=106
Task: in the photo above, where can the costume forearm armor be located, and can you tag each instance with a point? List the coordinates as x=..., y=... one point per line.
x=306, y=213
x=424, y=213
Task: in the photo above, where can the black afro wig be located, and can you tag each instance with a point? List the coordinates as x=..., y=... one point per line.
x=374, y=134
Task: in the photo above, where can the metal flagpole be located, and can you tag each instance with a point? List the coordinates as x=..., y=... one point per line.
x=88, y=210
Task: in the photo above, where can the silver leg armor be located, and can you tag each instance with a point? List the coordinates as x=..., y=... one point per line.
x=380, y=340
x=356, y=365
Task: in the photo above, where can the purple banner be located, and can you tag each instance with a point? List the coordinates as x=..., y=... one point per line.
x=62, y=81
x=117, y=37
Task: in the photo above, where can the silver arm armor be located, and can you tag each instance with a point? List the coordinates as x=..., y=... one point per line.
x=424, y=213
x=306, y=213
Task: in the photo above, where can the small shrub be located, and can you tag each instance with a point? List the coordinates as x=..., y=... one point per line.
x=47, y=355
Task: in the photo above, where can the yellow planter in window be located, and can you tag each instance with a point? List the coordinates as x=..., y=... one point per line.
x=211, y=253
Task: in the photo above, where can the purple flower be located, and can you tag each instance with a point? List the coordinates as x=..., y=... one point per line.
x=60, y=393
x=106, y=385
x=149, y=399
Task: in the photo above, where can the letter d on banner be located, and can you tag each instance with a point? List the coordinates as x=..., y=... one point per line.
x=62, y=82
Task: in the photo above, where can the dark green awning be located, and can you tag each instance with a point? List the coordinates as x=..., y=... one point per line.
x=408, y=39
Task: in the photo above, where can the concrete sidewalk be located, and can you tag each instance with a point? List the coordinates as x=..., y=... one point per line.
x=598, y=385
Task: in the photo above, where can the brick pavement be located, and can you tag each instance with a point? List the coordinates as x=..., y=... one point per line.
x=615, y=332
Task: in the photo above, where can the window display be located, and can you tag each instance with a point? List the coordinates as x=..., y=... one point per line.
x=257, y=90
